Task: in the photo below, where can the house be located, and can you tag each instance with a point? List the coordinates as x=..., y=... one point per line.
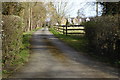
x=74, y=20
x=63, y=21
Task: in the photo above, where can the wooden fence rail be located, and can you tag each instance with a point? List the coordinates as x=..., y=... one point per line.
x=69, y=29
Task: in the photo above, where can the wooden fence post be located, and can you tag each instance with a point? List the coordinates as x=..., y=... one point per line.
x=66, y=26
x=63, y=29
x=66, y=30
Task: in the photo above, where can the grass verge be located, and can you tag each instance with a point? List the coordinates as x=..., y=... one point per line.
x=80, y=43
x=22, y=56
x=77, y=42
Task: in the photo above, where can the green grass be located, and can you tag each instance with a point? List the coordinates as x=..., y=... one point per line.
x=23, y=55
x=80, y=43
x=25, y=50
x=77, y=42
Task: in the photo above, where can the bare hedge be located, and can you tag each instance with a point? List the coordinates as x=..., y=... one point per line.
x=12, y=40
x=103, y=34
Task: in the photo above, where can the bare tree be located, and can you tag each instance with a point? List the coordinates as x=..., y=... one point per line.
x=62, y=9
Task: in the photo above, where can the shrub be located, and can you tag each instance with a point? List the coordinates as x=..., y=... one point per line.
x=12, y=40
x=103, y=34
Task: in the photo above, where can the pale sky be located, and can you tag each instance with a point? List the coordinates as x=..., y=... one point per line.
x=89, y=9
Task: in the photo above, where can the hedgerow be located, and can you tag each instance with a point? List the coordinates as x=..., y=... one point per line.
x=12, y=39
x=103, y=34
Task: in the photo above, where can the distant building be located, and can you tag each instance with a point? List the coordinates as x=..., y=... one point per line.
x=63, y=21
x=87, y=19
x=74, y=20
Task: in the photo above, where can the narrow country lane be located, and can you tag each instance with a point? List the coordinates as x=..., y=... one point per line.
x=51, y=58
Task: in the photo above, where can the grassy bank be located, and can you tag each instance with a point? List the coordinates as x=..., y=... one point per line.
x=22, y=56
x=77, y=42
